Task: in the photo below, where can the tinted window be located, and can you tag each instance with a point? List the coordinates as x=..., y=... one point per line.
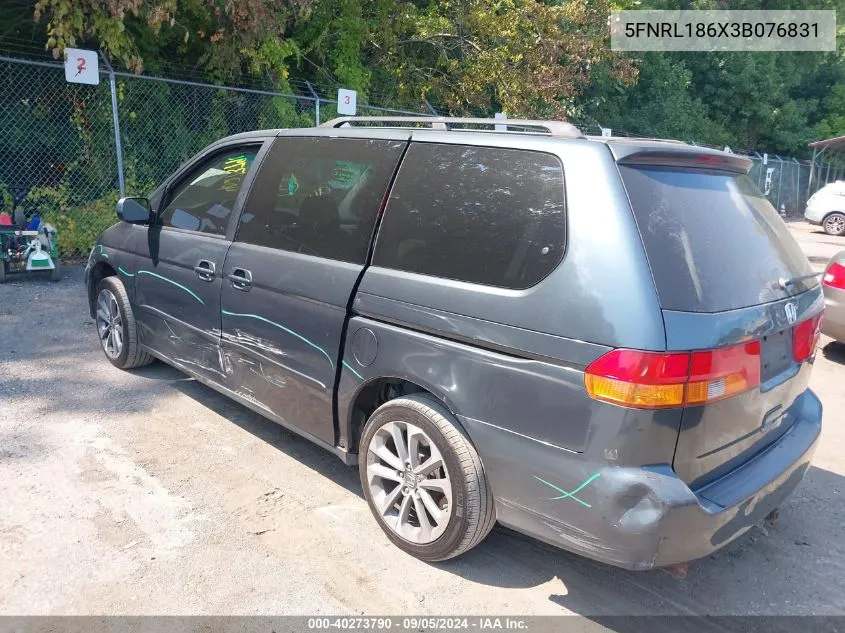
x=204, y=199
x=713, y=241
x=478, y=214
x=319, y=196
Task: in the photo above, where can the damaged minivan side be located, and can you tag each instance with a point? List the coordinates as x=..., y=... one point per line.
x=602, y=343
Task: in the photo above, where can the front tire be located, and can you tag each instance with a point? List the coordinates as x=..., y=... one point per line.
x=423, y=479
x=116, y=326
x=834, y=224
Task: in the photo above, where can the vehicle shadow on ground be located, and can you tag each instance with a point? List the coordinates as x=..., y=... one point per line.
x=790, y=549
x=288, y=442
x=834, y=240
x=835, y=352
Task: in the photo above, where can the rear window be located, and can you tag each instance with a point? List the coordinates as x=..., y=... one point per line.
x=712, y=239
x=478, y=214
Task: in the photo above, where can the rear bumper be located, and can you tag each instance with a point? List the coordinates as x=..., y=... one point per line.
x=813, y=215
x=641, y=518
x=833, y=323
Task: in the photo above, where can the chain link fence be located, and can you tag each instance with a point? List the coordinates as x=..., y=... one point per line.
x=785, y=181
x=165, y=122
x=59, y=157
x=58, y=153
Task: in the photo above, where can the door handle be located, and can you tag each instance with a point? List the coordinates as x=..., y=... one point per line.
x=205, y=270
x=241, y=279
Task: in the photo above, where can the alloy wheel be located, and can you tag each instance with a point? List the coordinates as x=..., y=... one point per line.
x=109, y=324
x=409, y=483
x=835, y=224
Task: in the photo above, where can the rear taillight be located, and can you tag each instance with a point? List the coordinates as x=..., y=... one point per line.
x=720, y=373
x=647, y=380
x=654, y=380
x=834, y=276
x=805, y=338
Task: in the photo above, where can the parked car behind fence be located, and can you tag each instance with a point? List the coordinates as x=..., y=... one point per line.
x=826, y=208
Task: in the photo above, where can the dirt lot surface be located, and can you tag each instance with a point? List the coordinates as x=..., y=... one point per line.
x=145, y=492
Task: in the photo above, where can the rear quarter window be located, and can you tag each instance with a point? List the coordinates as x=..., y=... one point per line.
x=713, y=241
x=483, y=215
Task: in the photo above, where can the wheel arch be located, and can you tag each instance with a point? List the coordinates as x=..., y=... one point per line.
x=100, y=271
x=373, y=393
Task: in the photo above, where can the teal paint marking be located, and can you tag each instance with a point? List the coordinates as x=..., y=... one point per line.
x=102, y=251
x=120, y=269
x=284, y=329
x=349, y=367
x=571, y=495
x=170, y=281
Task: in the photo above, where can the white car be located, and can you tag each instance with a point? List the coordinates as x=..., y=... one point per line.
x=826, y=207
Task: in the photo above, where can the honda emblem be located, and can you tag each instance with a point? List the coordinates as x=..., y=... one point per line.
x=791, y=311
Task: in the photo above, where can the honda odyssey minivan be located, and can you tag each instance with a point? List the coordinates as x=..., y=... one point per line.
x=602, y=343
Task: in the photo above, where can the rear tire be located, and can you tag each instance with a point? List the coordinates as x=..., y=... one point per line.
x=116, y=326
x=461, y=516
x=834, y=224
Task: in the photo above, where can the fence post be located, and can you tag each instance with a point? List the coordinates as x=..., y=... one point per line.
x=316, y=103
x=812, y=169
x=118, y=149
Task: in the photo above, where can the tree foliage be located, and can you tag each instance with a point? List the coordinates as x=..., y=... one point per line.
x=524, y=57
x=227, y=38
x=521, y=56
x=517, y=56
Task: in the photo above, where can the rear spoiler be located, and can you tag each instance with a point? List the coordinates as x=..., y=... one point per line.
x=683, y=157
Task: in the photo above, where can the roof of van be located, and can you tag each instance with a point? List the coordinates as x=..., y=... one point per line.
x=624, y=149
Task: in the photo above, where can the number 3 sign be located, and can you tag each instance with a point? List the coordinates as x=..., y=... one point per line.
x=346, y=101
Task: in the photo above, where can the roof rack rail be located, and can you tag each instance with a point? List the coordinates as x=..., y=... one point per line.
x=552, y=128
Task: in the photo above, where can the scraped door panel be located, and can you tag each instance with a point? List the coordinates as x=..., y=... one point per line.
x=179, y=307
x=301, y=244
x=281, y=337
x=177, y=279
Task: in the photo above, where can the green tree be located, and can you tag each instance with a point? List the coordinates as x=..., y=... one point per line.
x=661, y=104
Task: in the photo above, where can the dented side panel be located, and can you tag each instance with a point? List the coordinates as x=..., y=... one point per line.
x=587, y=476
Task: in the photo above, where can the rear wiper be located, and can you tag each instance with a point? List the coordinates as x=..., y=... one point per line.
x=786, y=283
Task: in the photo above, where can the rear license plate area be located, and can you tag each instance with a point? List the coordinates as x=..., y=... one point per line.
x=775, y=354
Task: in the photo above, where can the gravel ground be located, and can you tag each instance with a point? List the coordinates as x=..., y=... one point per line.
x=145, y=492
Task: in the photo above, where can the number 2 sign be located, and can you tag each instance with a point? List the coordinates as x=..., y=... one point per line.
x=346, y=101
x=81, y=66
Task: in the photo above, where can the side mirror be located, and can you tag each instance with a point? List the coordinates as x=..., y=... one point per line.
x=134, y=210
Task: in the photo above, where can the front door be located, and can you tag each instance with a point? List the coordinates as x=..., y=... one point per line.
x=301, y=244
x=177, y=276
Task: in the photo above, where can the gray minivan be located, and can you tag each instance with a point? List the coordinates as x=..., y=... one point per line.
x=603, y=343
